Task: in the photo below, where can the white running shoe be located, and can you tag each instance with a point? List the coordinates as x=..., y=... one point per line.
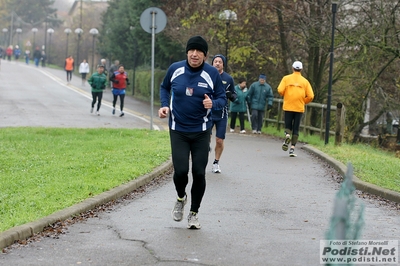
x=193, y=221
x=177, y=211
x=242, y=131
x=98, y=113
x=285, y=145
x=254, y=131
x=231, y=130
x=216, y=169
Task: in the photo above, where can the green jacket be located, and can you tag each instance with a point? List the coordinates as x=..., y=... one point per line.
x=97, y=82
x=239, y=105
x=258, y=95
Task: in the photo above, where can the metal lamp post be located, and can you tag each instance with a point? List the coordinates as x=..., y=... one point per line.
x=228, y=16
x=34, y=30
x=5, y=30
x=94, y=32
x=134, y=61
x=78, y=31
x=18, y=30
x=328, y=107
x=50, y=31
x=67, y=31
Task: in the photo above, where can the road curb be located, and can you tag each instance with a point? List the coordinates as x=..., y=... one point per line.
x=359, y=184
x=25, y=231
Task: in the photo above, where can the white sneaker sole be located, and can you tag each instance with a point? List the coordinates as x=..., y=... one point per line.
x=193, y=226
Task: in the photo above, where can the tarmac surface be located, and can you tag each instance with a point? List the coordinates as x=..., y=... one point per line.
x=265, y=208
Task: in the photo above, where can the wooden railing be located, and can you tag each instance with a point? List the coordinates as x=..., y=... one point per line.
x=338, y=120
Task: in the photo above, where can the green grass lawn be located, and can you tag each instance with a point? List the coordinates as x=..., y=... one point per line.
x=370, y=164
x=43, y=170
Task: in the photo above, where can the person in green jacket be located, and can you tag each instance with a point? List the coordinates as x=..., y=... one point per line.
x=98, y=83
x=239, y=106
x=259, y=93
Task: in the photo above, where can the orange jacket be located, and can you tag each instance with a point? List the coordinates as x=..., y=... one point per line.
x=69, y=64
x=296, y=91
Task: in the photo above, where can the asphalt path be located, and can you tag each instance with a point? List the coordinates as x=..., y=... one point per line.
x=33, y=96
x=265, y=208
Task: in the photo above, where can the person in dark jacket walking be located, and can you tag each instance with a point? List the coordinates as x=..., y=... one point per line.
x=260, y=93
x=220, y=115
x=188, y=92
x=113, y=68
x=98, y=83
x=37, y=55
x=239, y=106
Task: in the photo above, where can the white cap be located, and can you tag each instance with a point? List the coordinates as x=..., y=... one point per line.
x=297, y=65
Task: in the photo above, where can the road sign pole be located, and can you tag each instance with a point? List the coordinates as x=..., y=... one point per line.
x=153, y=37
x=153, y=20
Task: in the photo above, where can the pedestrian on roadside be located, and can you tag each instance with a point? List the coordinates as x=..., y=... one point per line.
x=9, y=52
x=239, y=107
x=113, y=68
x=188, y=92
x=69, y=67
x=84, y=70
x=259, y=95
x=43, y=58
x=103, y=62
x=17, y=53
x=27, y=55
x=119, y=82
x=37, y=55
x=220, y=115
x=297, y=92
x=97, y=81
x=1, y=55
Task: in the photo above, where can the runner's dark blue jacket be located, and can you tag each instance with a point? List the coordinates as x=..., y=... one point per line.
x=183, y=89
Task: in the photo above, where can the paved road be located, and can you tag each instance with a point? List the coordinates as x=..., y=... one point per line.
x=33, y=96
x=265, y=208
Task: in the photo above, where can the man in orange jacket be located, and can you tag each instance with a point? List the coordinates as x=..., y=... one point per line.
x=69, y=67
x=296, y=91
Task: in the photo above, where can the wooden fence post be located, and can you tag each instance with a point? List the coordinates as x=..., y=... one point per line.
x=279, y=116
x=340, y=123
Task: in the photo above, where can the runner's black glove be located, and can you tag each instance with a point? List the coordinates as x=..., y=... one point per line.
x=228, y=94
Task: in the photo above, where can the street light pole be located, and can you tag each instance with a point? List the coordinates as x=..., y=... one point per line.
x=94, y=32
x=228, y=16
x=34, y=30
x=132, y=28
x=18, y=30
x=50, y=31
x=78, y=31
x=328, y=108
x=5, y=30
x=67, y=31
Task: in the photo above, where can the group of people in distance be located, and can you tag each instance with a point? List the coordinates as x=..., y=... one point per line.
x=117, y=76
x=194, y=95
x=37, y=56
